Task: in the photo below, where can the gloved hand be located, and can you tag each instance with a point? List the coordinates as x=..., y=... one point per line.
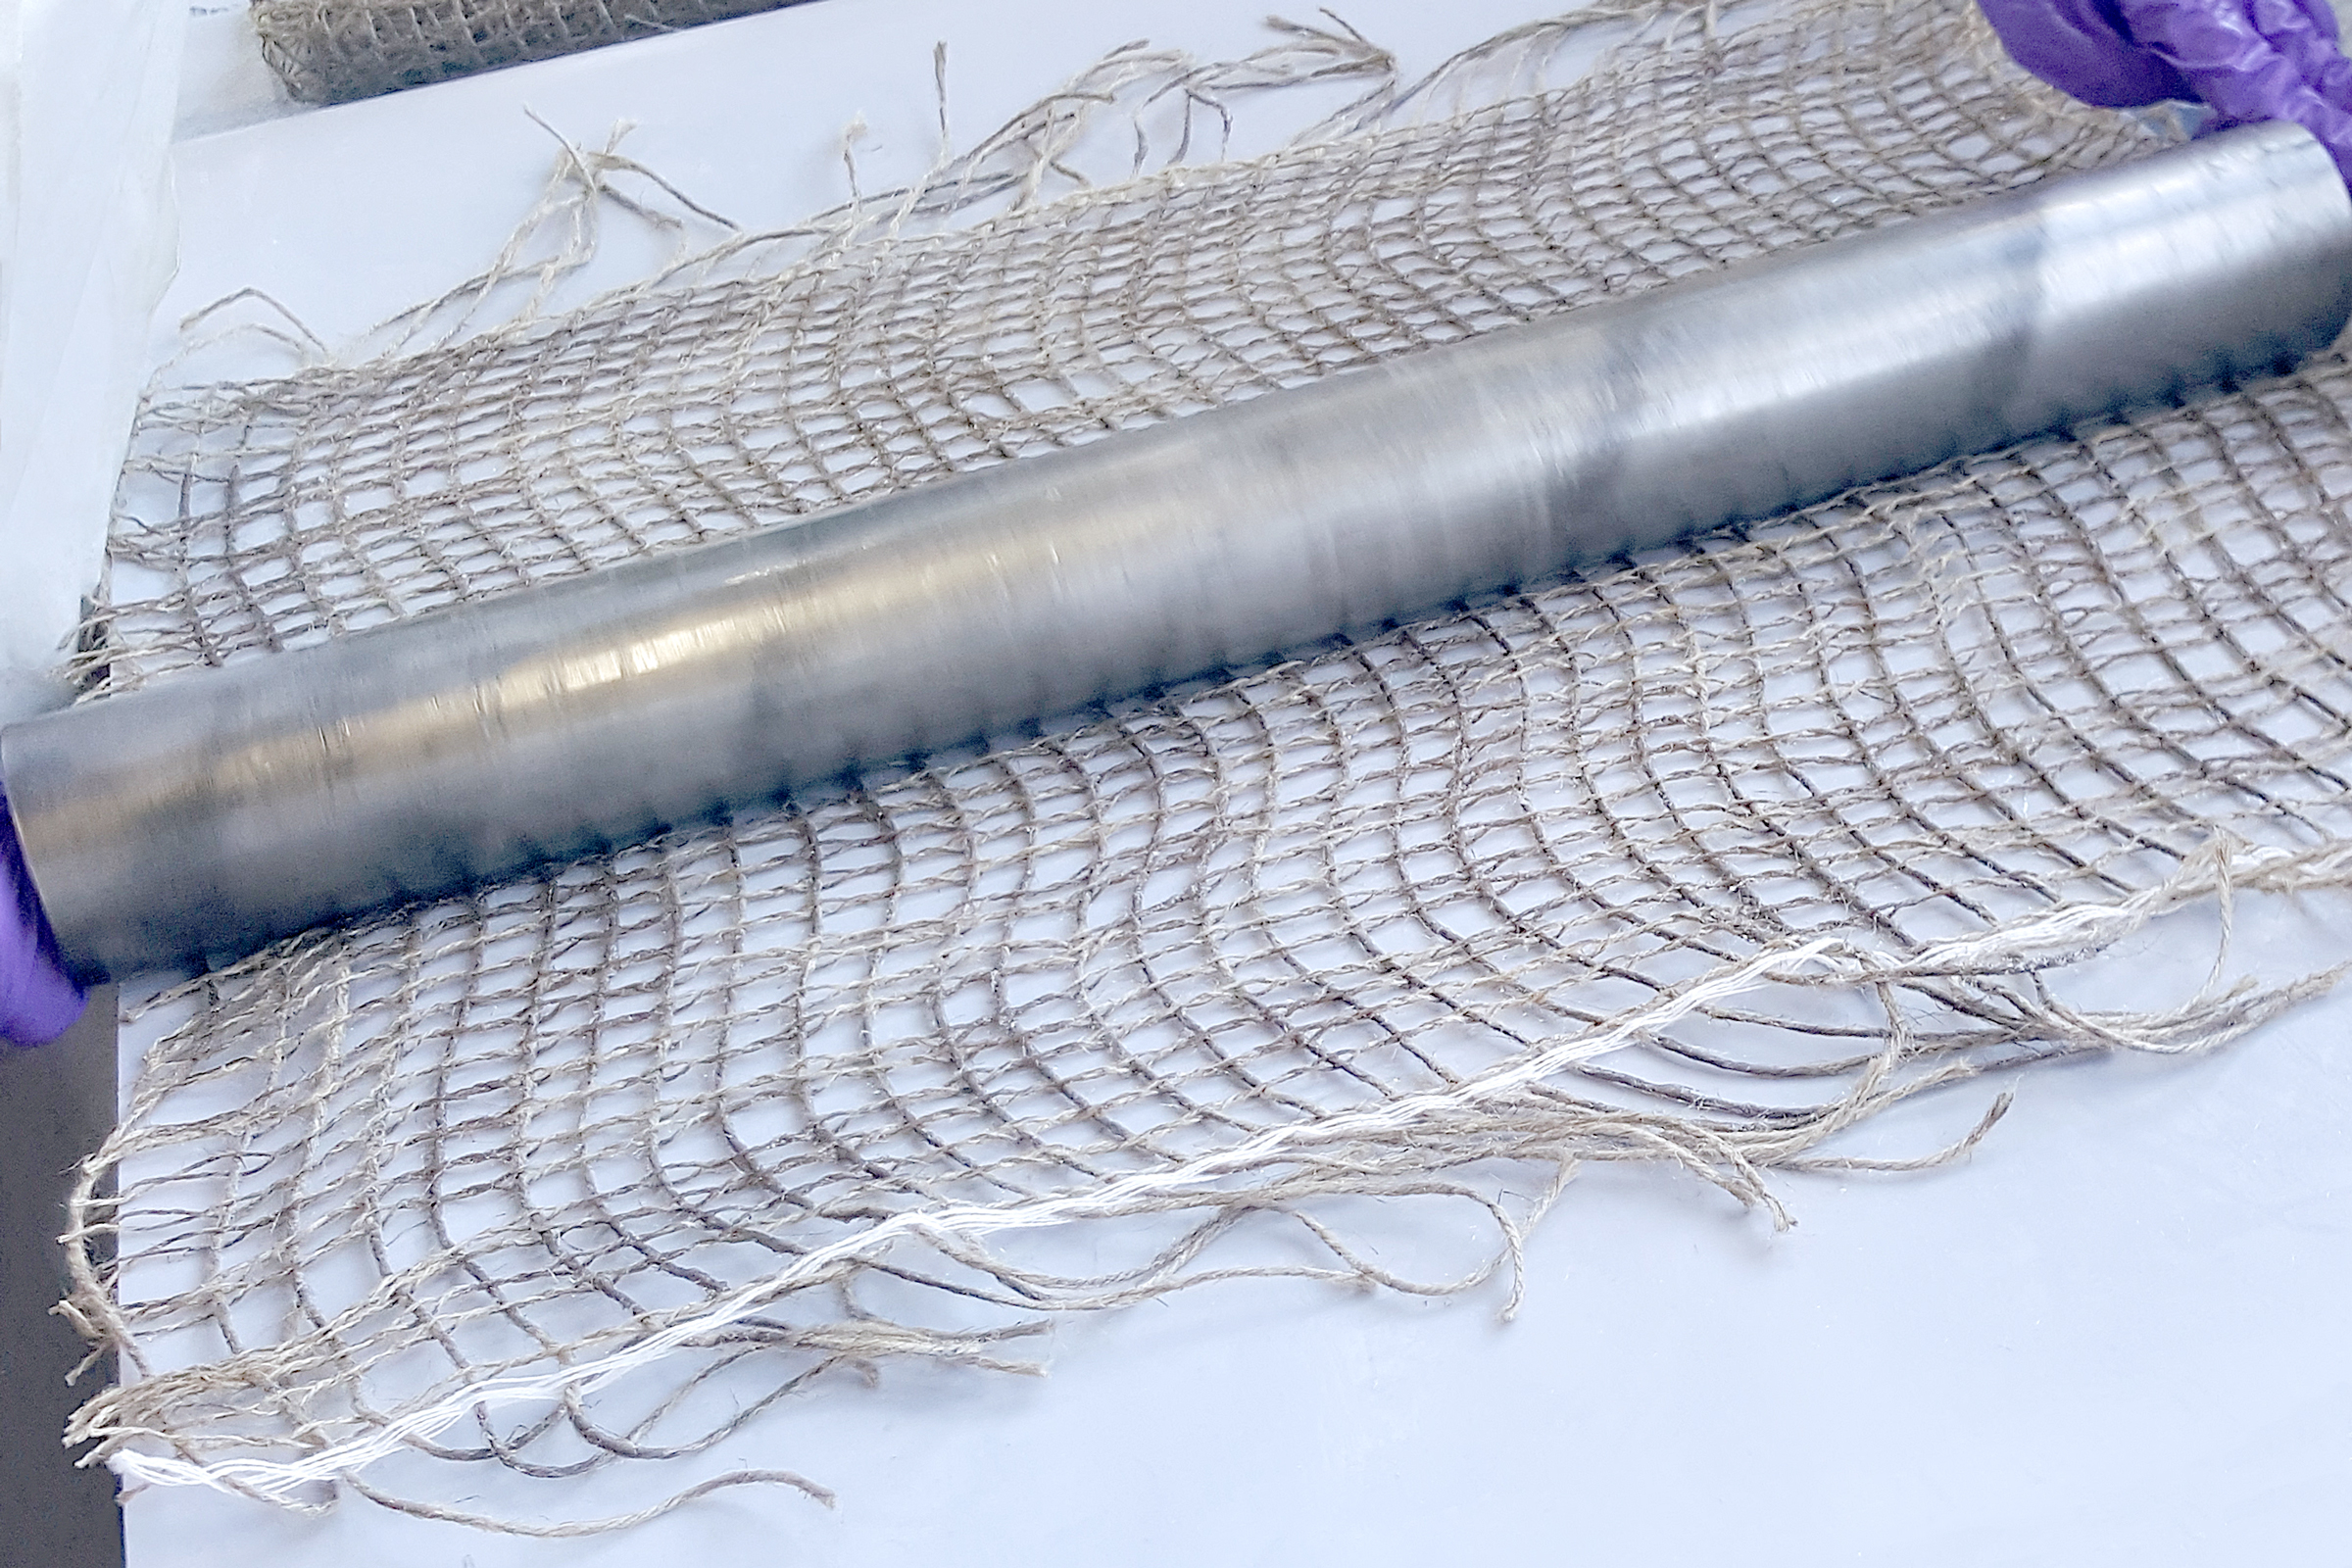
x=37, y=1002
x=2250, y=60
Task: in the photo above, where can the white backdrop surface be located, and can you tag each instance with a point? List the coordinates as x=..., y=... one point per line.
x=87, y=90
x=2112, y=1336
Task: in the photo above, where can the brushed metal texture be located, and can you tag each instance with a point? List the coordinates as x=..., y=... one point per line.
x=204, y=816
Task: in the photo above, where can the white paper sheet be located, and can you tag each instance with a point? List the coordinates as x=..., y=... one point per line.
x=2110, y=1337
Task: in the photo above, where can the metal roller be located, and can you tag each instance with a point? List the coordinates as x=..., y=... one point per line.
x=208, y=815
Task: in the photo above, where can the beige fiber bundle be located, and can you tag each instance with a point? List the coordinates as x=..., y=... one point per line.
x=334, y=51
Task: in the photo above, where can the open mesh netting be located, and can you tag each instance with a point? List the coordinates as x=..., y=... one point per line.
x=1701, y=860
x=334, y=51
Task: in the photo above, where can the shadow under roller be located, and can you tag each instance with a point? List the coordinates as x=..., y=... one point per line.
x=202, y=817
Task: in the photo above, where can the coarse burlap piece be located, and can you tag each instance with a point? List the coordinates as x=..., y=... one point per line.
x=1701, y=860
x=334, y=51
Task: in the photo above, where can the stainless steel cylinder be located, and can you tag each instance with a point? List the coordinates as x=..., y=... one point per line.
x=201, y=817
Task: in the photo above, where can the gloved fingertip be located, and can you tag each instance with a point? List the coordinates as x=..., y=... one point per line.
x=43, y=1012
x=2082, y=48
x=38, y=999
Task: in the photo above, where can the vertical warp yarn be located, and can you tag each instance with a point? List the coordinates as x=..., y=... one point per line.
x=1700, y=861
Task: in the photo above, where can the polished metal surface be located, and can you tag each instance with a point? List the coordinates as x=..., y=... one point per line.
x=197, y=820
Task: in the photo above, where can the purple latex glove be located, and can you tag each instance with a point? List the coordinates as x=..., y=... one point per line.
x=2250, y=60
x=37, y=1002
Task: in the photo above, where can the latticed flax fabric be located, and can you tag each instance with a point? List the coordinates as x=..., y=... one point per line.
x=1700, y=861
x=334, y=51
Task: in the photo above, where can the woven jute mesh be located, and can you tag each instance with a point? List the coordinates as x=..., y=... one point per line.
x=334, y=51
x=1698, y=860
